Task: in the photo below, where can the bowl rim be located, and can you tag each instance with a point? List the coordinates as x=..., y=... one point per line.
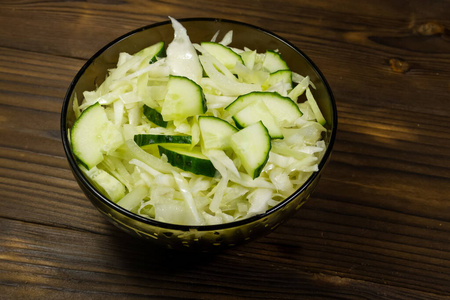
x=185, y=228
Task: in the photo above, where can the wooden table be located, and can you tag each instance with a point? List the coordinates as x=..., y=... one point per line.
x=377, y=227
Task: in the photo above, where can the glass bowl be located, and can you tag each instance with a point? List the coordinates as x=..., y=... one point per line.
x=207, y=237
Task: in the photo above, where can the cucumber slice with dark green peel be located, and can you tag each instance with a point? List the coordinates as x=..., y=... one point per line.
x=154, y=116
x=150, y=139
x=215, y=132
x=273, y=62
x=252, y=145
x=153, y=52
x=190, y=160
x=281, y=76
x=255, y=112
x=92, y=134
x=184, y=99
x=225, y=55
x=284, y=110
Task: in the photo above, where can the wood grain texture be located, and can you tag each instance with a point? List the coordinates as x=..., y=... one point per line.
x=377, y=227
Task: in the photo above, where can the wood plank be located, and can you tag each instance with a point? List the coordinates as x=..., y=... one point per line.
x=34, y=80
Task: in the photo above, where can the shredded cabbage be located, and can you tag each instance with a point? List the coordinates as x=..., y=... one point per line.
x=148, y=185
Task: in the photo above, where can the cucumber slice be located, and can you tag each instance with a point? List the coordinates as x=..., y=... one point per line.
x=283, y=76
x=184, y=99
x=154, y=116
x=273, y=62
x=252, y=145
x=284, y=110
x=153, y=52
x=188, y=160
x=150, y=139
x=249, y=58
x=255, y=112
x=92, y=135
x=215, y=132
x=225, y=55
x=106, y=183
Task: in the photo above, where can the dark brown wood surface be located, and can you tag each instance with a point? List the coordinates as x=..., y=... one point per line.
x=377, y=227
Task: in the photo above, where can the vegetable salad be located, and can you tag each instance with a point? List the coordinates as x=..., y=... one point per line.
x=199, y=134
